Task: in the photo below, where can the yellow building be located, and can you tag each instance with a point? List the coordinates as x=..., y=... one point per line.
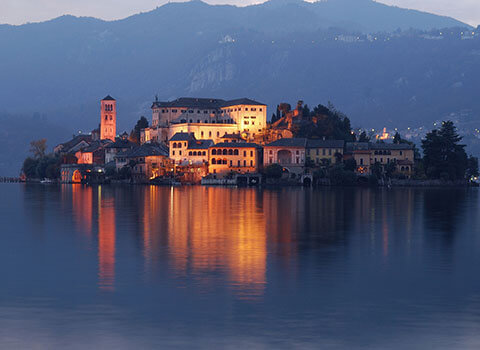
x=185, y=149
x=206, y=119
x=228, y=157
x=367, y=154
x=324, y=152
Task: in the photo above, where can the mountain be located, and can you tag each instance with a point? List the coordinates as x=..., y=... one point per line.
x=379, y=64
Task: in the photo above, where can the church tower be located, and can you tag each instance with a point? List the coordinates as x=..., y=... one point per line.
x=108, y=119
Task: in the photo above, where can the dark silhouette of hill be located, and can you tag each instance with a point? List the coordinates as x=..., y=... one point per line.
x=282, y=50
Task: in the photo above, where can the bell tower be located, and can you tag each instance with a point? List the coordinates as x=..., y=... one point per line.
x=108, y=119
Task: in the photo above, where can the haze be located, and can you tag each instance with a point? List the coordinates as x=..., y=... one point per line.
x=22, y=11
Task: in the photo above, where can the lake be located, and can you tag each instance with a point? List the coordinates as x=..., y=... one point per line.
x=202, y=267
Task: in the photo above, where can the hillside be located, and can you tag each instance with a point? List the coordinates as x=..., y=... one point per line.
x=282, y=50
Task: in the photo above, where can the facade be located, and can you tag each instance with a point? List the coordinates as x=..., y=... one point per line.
x=108, y=118
x=289, y=153
x=230, y=157
x=367, y=154
x=117, y=147
x=185, y=149
x=75, y=144
x=149, y=161
x=206, y=118
x=93, y=154
x=324, y=152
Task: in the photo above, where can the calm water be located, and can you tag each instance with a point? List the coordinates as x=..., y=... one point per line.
x=196, y=267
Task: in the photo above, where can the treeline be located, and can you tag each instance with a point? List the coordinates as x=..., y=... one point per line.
x=41, y=165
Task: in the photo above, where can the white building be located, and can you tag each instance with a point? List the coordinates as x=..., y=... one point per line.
x=206, y=119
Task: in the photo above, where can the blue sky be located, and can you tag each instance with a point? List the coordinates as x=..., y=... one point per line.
x=21, y=11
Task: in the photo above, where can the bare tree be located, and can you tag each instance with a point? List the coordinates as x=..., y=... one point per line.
x=38, y=148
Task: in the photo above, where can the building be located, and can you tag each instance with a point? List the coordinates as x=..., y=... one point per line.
x=185, y=149
x=235, y=157
x=206, y=119
x=119, y=146
x=93, y=154
x=324, y=152
x=367, y=154
x=147, y=161
x=108, y=118
x=289, y=153
x=75, y=144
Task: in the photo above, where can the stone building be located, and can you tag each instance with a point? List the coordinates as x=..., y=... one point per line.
x=206, y=119
x=235, y=157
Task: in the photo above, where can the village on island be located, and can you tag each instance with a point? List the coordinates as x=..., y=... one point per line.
x=220, y=142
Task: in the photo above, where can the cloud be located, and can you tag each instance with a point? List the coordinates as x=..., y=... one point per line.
x=22, y=11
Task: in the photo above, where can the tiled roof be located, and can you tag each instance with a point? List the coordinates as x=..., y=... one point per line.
x=120, y=143
x=236, y=145
x=390, y=146
x=145, y=150
x=242, y=101
x=204, y=103
x=182, y=136
x=96, y=145
x=200, y=144
x=76, y=140
x=289, y=142
x=325, y=143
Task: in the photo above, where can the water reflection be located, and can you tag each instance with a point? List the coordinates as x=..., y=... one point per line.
x=106, y=241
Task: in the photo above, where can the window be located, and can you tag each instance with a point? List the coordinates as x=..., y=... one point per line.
x=173, y=153
x=174, y=145
x=251, y=153
x=209, y=134
x=323, y=152
x=361, y=161
x=244, y=153
x=180, y=153
x=191, y=120
x=218, y=133
x=201, y=134
x=271, y=161
x=174, y=111
x=298, y=160
x=184, y=111
x=235, y=153
x=198, y=120
x=246, y=109
x=204, y=153
x=190, y=111
x=214, y=152
x=253, y=123
x=260, y=109
x=163, y=111
x=270, y=152
x=330, y=152
x=401, y=153
x=190, y=153
x=231, y=163
x=205, y=112
x=213, y=160
x=251, y=163
x=246, y=122
x=238, y=163
x=230, y=152
x=244, y=163
x=297, y=152
x=253, y=109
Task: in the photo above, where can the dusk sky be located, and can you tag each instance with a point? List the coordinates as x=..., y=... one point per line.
x=21, y=11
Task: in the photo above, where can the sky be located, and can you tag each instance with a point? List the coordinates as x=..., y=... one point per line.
x=22, y=11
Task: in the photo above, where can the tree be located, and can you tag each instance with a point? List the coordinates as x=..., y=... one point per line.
x=377, y=170
x=29, y=167
x=38, y=148
x=350, y=164
x=274, y=171
x=444, y=157
x=472, y=167
x=363, y=137
x=397, y=139
x=142, y=123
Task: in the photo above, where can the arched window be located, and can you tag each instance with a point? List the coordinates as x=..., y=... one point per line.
x=214, y=161
x=230, y=152
x=190, y=153
x=214, y=152
x=194, y=153
x=174, y=145
x=225, y=161
x=204, y=153
x=235, y=152
x=225, y=152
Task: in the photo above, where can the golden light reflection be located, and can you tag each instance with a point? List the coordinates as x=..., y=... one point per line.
x=106, y=242
x=222, y=231
x=82, y=202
